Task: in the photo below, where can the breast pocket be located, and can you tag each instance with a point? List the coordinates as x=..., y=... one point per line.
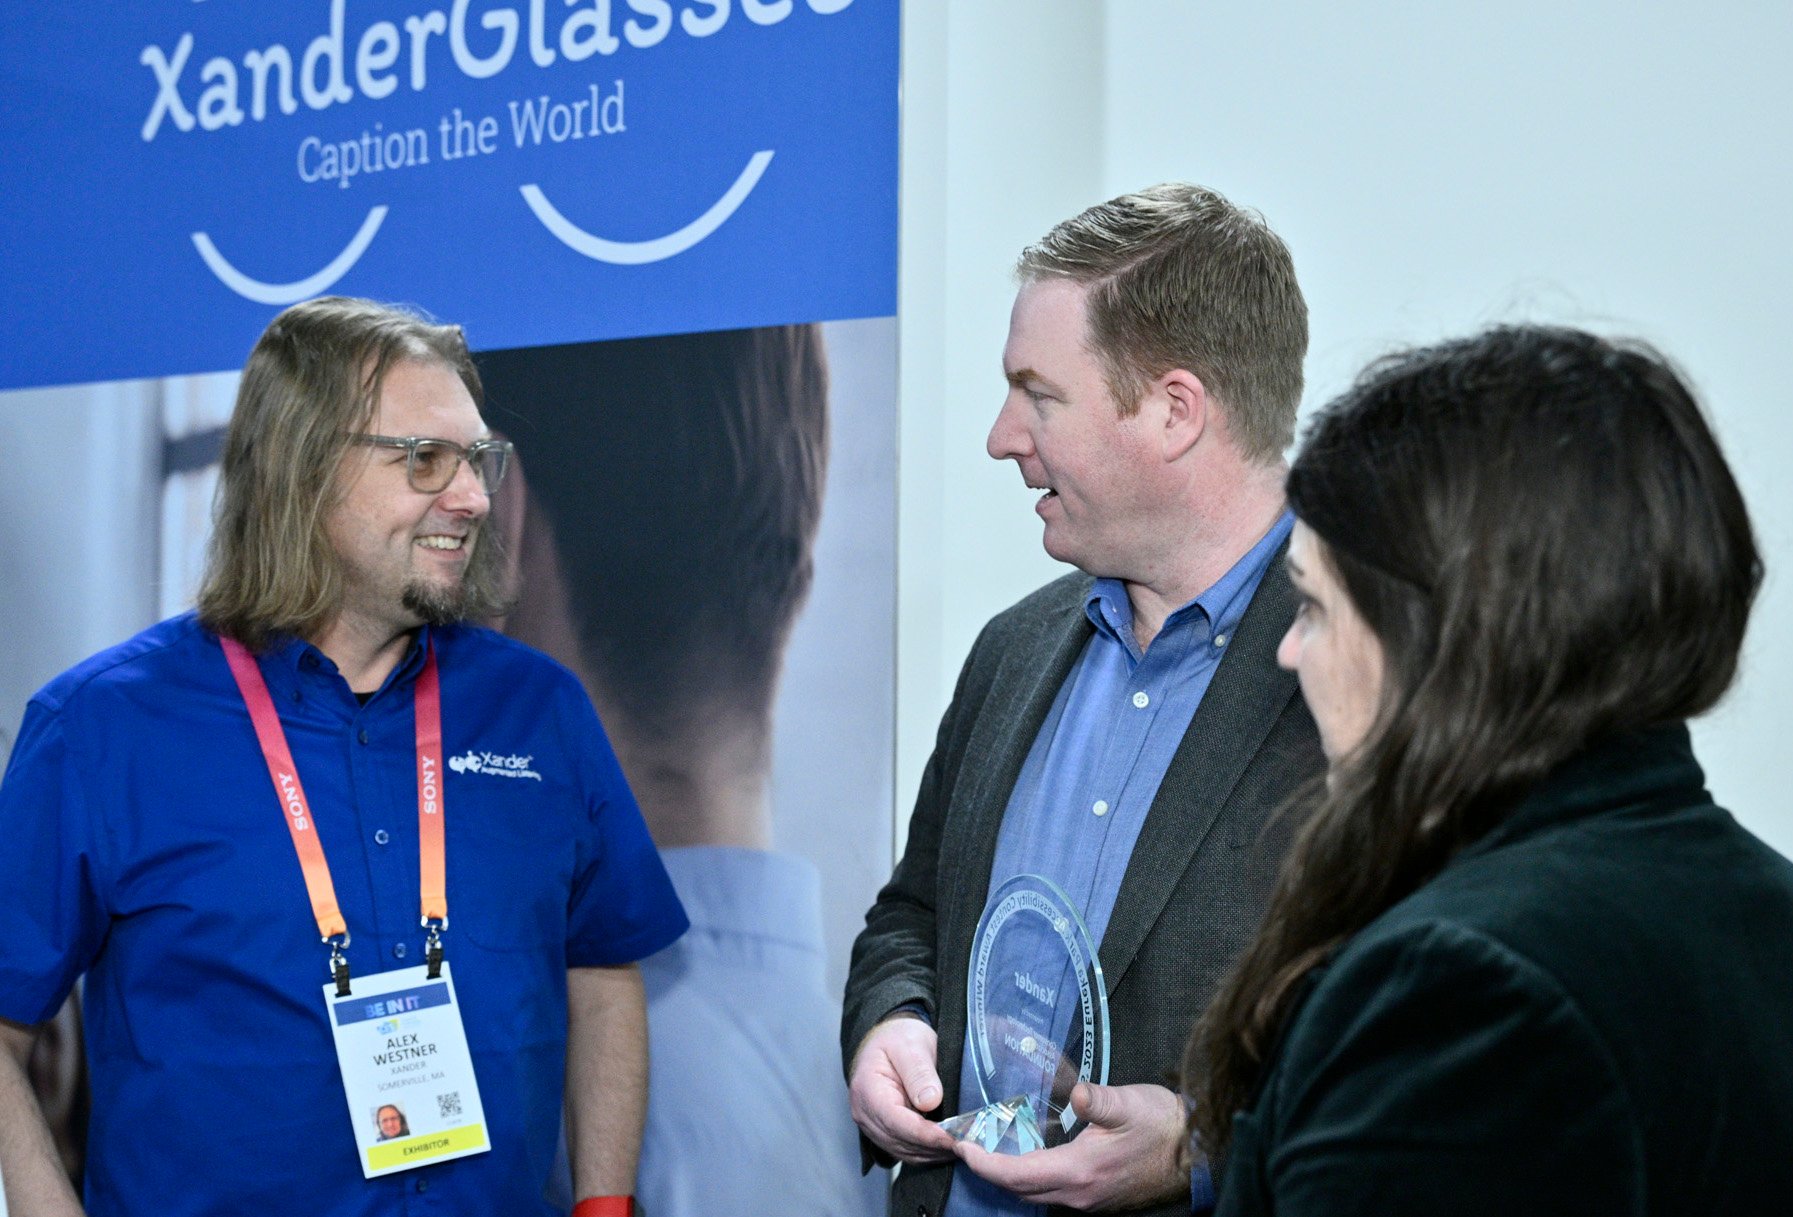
x=511, y=849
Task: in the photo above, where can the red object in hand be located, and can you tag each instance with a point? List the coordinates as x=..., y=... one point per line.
x=605, y=1206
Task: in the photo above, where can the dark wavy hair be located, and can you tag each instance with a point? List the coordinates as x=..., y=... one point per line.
x=1538, y=526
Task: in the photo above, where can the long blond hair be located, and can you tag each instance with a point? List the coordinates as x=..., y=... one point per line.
x=311, y=383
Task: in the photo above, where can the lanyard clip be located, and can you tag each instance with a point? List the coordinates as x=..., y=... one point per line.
x=339, y=965
x=432, y=946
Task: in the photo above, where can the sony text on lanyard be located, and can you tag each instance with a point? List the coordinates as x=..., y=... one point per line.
x=302, y=824
x=401, y=1049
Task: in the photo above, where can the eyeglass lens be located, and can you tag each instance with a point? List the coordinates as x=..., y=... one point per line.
x=434, y=463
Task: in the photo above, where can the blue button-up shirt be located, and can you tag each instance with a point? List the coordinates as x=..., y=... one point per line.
x=1096, y=765
x=141, y=842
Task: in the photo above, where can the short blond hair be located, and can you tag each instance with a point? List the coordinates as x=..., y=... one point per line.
x=1178, y=277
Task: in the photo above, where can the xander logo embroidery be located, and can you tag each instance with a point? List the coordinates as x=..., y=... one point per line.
x=494, y=765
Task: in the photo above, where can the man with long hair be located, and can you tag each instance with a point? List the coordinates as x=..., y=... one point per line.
x=391, y=1122
x=327, y=730
x=1518, y=961
x=1124, y=731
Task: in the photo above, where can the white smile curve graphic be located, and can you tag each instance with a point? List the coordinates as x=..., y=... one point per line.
x=304, y=289
x=637, y=253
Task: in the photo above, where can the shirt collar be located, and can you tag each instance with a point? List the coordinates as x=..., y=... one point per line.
x=290, y=662
x=1221, y=606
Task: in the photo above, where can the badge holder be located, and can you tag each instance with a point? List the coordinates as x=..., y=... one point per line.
x=339, y=964
x=432, y=946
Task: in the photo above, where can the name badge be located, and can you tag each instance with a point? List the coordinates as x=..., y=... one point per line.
x=406, y=1071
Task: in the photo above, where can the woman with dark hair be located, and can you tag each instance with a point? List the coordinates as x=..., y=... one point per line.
x=1517, y=961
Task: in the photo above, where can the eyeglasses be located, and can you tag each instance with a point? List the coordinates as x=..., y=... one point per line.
x=430, y=464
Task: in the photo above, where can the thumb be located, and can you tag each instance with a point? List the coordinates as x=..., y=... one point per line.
x=920, y=1081
x=1100, y=1105
x=923, y=1085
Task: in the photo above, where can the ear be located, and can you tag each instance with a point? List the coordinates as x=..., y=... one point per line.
x=1186, y=413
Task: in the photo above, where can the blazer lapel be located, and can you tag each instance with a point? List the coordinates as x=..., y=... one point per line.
x=1236, y=714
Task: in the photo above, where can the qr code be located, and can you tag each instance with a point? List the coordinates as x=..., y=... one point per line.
x=448, y=1105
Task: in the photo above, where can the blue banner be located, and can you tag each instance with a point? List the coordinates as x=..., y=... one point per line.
x=174, y=172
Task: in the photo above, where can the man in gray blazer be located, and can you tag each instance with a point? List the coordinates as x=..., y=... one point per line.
x=1124, y=731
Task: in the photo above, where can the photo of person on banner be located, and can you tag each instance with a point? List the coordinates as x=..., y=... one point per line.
x=671, y=494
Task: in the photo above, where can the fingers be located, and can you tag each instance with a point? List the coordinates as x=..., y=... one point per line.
x=894, y=1079
x=1125, y=1158
x=1044, y=1175
x=908, y=1135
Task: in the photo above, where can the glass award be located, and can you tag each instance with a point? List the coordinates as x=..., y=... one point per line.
x=1038, y=1019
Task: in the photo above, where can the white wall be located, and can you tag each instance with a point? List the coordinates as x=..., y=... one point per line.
x=78, y=513
x=1002, y=138
x=1434, y=168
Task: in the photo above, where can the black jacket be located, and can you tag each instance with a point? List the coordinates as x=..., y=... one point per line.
x=1588, y=1012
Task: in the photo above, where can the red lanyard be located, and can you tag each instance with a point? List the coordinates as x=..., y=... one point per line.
x=299, y=822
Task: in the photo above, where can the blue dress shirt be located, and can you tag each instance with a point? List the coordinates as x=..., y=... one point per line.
x=1083, y=793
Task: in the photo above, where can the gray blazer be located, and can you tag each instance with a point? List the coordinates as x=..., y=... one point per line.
x=1193, y=891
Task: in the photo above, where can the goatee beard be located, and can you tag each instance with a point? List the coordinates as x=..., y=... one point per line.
x=433, y=604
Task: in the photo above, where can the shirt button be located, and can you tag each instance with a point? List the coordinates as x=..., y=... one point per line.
x=398, y=950
x=363, y=736
x=1101, y=807
x=381, y=836
x=1141, y=700
x=1220, y=640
